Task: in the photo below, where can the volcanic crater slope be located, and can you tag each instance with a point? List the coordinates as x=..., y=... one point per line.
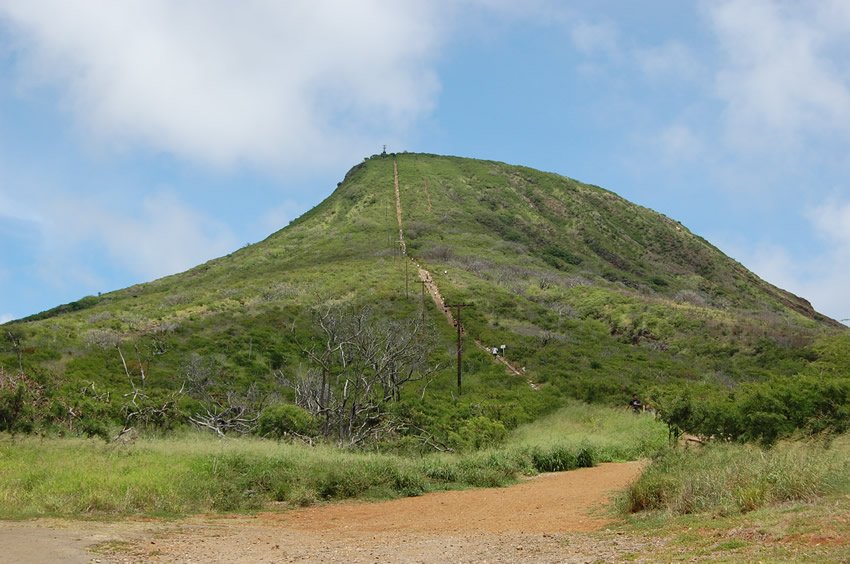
x=594, y=297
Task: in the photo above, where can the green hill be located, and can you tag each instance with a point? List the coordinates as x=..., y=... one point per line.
x=594, y=297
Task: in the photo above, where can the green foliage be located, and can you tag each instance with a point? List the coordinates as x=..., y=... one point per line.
x=764, y=412
x=731, y=478
x=194, y=472
x=479, y=432
x=15, y=414
x=83, y=303
x=285, y=420
x=596, y=297
x=607, y=434
x=561, y=458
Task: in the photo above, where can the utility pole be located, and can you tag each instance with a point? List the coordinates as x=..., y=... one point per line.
x=422, y=301
x=459, y=341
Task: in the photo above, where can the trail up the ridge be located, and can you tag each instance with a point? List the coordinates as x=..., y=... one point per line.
x=398, y=210
x=431, y=285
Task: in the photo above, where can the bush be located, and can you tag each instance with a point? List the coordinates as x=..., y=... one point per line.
x=15, y=413
x=479, y=432
x=762, y=412
x=94, y=428
x=561, y=458
x=285, y=420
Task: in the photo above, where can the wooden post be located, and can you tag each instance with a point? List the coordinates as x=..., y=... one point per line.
x=459, y=343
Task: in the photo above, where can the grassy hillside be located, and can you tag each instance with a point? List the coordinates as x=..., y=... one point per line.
x=595, y=297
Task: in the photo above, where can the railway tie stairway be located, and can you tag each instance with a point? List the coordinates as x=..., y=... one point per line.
x=398, y=210
x=434, y=291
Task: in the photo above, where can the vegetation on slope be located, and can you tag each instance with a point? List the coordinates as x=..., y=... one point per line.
x=595, y=297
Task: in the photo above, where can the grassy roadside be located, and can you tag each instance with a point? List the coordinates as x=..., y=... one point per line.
x=195, y=472
x=732, y=502
x=795, y=531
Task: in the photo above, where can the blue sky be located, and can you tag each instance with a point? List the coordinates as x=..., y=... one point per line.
x=140, y=138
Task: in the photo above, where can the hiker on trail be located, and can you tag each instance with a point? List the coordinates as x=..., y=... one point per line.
x=635, y=404
x=495, y=352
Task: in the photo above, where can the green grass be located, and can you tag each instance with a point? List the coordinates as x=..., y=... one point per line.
x=611, y=434
x=736, y=478
x=738, y=503
x=194, y=472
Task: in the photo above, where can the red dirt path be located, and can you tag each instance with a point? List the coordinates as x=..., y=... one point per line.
x=548, y=518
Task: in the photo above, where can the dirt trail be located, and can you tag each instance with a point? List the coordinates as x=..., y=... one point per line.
x=550, y=518
x=549, y=503
x=434, y=291
x=431, y=285
x=398, y=209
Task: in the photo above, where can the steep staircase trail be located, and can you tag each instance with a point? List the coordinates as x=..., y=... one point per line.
x=434, y=290
x=398, y=210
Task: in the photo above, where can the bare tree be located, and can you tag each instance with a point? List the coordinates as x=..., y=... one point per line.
x=139, y=408
x=15, y=338
x=362, y=364
x=222, y=410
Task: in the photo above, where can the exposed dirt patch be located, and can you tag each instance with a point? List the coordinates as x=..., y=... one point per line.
x=553, y=517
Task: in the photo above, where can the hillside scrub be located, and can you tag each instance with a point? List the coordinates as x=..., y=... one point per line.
x=762, y=412
x=728, y=478
x=196, y=472
x=596, y=298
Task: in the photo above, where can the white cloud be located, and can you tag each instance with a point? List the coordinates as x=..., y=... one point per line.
x=821, y=277
x=678, y=142
x=278, y=217
x=672, y=59
x=162, y=237
x=832, y=221
x=591, y=38
x=785, y=72
x=265, y=83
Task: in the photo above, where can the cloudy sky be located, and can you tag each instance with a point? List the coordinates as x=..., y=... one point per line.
x=141, y=137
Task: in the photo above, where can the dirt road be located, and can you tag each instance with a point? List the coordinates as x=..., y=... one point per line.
x=549, y=518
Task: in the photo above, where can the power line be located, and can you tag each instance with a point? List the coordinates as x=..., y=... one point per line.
x=459, y=341
x=422, y=301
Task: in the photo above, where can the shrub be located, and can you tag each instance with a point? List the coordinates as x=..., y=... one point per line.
x=285, y=420
x=15, y=414
x=479, y=432
x=560, y=458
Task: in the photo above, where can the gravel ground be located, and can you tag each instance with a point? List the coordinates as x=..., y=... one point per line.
x=555, y=517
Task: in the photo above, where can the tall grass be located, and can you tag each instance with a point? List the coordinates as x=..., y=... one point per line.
x=733, y=478
x=197, y=473
x=609, y=434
